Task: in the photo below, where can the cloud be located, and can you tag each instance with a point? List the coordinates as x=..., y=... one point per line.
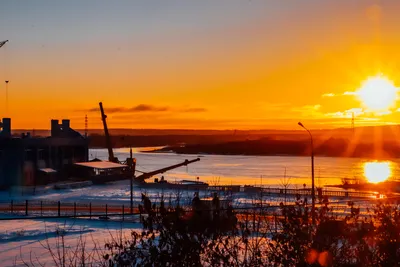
x=346, y=114
x=328, y=95
x=310, y=107
x=194, y=110
x=337, y=114
x=382, y=113
x=145, y=108
x=356, y=111
x=306, y=108
x=342, y=94
x=109, y=110
x=349, y=93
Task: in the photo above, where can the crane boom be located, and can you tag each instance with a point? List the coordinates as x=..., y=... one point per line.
x=107, y=135
x=3, y=43
x=148, y=175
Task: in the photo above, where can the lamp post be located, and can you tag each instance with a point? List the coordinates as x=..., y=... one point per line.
x=312, y=174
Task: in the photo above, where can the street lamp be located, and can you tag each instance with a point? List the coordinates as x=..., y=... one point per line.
x=312, y=174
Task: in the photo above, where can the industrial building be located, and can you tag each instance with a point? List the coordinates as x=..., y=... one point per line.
x=27, y=160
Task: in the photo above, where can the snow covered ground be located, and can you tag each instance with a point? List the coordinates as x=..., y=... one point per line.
x=26, y=240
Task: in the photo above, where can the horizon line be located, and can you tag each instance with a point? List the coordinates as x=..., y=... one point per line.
x=219, y=130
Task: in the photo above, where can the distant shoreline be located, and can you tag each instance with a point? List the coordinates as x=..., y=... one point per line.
x=161, y=151
x=263, y=155
x=272, y=148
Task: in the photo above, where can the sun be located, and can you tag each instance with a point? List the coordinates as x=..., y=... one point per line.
x=377, y=93
x=377, y=172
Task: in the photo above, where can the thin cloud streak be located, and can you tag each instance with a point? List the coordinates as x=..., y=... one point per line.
x=145, y=108
x=328, y=95
x=349, y=93
x=342, y=94
x=194, y=110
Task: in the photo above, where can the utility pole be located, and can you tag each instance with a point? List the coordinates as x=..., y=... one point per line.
x=132, y=164
x=312, y=174
x=86, y=126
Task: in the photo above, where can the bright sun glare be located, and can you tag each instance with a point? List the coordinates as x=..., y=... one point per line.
x=377, y=93
x=377, y=172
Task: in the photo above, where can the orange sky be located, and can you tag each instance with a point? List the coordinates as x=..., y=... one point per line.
x=196, y=65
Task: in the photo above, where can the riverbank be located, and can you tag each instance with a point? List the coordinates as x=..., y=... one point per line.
x=268, y=147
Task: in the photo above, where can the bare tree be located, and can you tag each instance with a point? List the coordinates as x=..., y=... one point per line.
x=286, y=183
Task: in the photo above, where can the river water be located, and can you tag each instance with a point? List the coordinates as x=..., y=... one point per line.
x=250, y=170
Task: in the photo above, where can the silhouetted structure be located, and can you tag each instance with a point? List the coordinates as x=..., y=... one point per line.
x=27, y=161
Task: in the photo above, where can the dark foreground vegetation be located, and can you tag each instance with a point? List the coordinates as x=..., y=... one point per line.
x=262, y=238
x=217, y=235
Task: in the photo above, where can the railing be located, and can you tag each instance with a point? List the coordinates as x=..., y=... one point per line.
x=307, y=192
x=41, y=208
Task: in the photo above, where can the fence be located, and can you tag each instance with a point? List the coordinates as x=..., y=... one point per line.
x=321, y=193
x=56, y=209
x=40, y=208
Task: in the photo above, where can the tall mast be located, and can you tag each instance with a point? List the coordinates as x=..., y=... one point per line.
x=107, y=135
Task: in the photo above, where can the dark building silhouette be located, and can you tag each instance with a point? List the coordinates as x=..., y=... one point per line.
x=26, y=160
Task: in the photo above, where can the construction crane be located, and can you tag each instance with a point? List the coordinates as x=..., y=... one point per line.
x=131, y=162
x=3, y=43
x=148, y=175
x=107, y=135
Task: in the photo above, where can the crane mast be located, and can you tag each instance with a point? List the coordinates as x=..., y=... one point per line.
x=107, y=135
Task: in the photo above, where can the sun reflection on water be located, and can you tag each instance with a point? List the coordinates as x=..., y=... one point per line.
x=377, y=172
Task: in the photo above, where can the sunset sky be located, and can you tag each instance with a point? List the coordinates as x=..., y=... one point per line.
x=197, y=64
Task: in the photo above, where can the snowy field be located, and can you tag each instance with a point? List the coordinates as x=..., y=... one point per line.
x=27, y=240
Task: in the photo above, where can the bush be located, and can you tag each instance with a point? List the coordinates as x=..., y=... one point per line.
x=263, y=237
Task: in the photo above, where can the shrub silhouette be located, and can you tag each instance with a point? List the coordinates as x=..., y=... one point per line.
x=265, y=236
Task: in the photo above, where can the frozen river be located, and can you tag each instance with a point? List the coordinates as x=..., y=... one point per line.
x=251, y=170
